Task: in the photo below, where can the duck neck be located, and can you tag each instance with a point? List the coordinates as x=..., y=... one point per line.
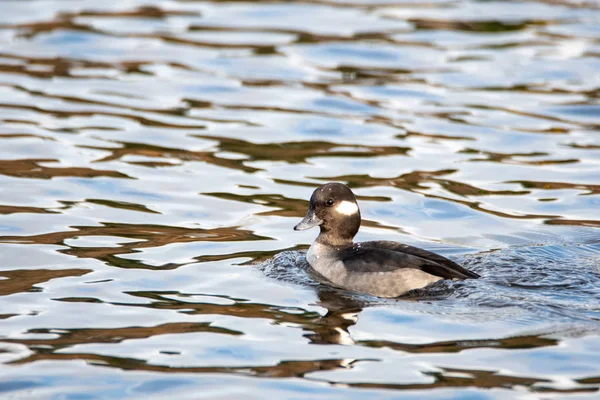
x=327, y=238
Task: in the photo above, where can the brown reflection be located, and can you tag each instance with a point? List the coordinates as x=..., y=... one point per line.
x=509, y=158
x=146, y=150
x=522, y=112
x=299, y=152
x=285, y=207
x=152, y=235
x=142, y=12
x=142, y=120
x=61, y=66
x=153, y=164
x=579, y=222
x=148, y=236
x=253, y=256
x=123, y=205
x=474, y=26
x=584, y=146
x=284, y=369
x=591, y=380
x=24, y=280
x=236, y=308
x=5, y=209
x=65, y=20
x=455, y=378
x=433, y=136
x=591, y=189
x=455, y=346
x=110, y=255
x=71, y=337
x=291, y=152
x=257, y=49
x=304, y=37
x=23, y=135
x=31, y=168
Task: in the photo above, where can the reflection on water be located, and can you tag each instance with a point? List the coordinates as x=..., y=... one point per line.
x=155, y=155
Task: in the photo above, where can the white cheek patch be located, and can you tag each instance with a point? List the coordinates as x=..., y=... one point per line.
x=347, y=208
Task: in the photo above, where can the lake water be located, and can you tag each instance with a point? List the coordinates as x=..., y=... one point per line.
x=155, y=156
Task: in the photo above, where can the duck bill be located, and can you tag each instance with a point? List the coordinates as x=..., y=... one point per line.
x=311, y=220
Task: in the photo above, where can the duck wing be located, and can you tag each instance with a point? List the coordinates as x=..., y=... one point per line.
x=386, y=256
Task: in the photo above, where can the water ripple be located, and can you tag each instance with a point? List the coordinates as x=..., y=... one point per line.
x=154, y=156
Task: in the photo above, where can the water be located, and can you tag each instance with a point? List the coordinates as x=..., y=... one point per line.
x=155, y=155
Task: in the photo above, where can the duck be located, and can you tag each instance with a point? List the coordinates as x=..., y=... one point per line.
x=380, y=268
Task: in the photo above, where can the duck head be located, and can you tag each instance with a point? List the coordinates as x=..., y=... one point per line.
x=334, y=209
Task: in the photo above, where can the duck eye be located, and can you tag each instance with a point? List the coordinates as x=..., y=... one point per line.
x=330, y=202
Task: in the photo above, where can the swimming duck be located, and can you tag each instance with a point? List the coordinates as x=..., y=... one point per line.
x=380, y=268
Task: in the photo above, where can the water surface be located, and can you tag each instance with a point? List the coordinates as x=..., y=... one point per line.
x=155, y=155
